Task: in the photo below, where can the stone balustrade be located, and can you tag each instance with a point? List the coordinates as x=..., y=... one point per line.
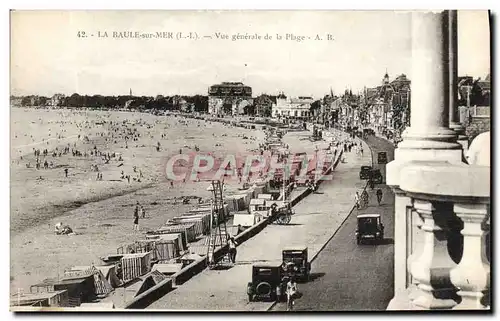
x=448, y=261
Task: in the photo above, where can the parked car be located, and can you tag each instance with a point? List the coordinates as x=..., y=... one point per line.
x=365, y=172
x=376, y=176
x=370, y=227
x=295, y=263
x=382, y=157
x=267, y=284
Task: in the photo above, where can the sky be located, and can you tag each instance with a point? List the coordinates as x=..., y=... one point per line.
x=48, y=57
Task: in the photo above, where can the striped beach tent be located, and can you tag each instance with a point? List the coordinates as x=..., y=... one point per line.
x=102, y=286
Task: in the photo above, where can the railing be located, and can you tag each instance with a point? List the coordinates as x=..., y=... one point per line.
x=449, y=259
x=480, y=111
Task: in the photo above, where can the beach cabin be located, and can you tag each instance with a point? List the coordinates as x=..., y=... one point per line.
x=181, y=235
x=79, y=290
x=135, y=265
x=40, y=299
x=109, y=272
x=246, y=220
x=179, y=239
x=186, y=228
x=160, y=249
x=101, y=284
x=201, y=222
x=265, y=196
x=258, y=206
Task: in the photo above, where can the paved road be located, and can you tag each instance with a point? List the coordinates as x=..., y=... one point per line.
x=347, y=276
x=316, y=219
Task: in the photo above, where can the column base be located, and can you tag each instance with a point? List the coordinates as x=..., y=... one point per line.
x=434, y=144
x=457, y=128
x=429, y=137
x=402, y=301
x=415, y=299
x=434, y=300
x=470, y=301
x=464, y=142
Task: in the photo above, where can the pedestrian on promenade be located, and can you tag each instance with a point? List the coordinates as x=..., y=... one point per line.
x=379, y=196
x=356, y=199
x=232, y=249
x=291, y=293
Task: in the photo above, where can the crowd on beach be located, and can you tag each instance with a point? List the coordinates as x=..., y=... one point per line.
x=101, y=143
x=105, y=143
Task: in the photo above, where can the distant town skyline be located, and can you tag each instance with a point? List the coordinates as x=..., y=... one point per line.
x=50, y=60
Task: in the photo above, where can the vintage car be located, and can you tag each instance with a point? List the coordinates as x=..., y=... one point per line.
x=368, y=132
x=382, y=157
x=267, y=284
x=295, y=263
x=370, y=227
x=365, y=172
x=376, y=176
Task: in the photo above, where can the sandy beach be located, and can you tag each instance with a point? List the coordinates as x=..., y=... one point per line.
x=99, y=211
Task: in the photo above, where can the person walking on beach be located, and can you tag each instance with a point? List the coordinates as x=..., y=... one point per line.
x=143, y=212
x=136, y=217
x=66, y=172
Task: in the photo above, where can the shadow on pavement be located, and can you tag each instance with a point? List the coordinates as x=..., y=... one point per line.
x=386, y=241
x=315, y=276
x=371, y=242
x=222, y=267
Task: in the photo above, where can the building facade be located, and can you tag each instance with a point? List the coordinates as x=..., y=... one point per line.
x=263, y=105
x=388, y=105
x=292, y=108
x=229, y=98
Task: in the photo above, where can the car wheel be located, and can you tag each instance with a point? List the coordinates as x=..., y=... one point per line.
x=264, y=289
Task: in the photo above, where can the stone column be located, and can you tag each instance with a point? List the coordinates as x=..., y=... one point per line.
x=428, y=135
x=472, y=275
x=455, y=124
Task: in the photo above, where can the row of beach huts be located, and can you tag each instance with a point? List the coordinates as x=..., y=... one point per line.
x=142, y=264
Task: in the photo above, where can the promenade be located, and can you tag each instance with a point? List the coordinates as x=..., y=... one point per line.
x=340, y=266
x=316, y=219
